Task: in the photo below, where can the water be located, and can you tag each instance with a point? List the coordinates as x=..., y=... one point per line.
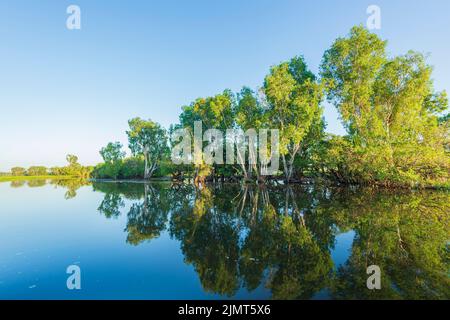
x=164, y=241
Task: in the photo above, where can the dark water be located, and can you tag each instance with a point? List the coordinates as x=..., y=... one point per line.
x=164, y=241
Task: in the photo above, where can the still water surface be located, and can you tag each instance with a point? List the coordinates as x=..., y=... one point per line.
x=164, y=241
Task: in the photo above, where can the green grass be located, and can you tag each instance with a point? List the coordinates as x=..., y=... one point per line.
x=26, y=178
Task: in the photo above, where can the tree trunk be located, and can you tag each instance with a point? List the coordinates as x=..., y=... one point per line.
x=242, y=164
x=285, y=168
x=146, y=168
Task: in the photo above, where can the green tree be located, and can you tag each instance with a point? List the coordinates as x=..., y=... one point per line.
x=76, y=169
x=215, y=112
x=390, y=110
x=112, y=152
x=349, y=68
x=18, y=171
x=250, y=114
x=37, y=171
x=294, y=98
x=149, y=139
x=72, y=159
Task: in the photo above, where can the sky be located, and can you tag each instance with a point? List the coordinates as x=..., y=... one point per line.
x=72, y=91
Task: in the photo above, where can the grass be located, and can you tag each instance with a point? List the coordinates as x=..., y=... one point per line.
x=27, y=178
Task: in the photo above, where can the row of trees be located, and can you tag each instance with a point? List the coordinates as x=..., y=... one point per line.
x=397, y=130
x=73, y=168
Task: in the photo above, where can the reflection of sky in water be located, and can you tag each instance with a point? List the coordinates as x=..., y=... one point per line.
x=44, y=236
x=342, y=248
x=340, y=253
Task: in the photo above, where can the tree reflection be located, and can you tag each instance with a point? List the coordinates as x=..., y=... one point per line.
x=72, y=186
x=280, y=244
x=282, y=238
x=36, y=183
x=148, y=219
x=17, y=184
x=111, y=205
x=406, y=235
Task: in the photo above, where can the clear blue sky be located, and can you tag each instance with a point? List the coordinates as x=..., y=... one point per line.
x=64, y=91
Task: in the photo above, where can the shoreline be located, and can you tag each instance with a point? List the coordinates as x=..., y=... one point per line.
x=306, y=181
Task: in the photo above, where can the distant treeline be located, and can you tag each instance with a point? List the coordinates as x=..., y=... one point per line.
x=397, y=124
x=73, y=168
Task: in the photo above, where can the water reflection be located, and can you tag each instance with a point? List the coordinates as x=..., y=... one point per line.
x=282, y=238
x=72, y=185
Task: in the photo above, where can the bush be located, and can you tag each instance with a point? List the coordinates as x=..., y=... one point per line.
x=132, y=168
x=107, y=171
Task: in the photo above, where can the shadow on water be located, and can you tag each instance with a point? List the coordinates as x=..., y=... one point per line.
x=283, y=238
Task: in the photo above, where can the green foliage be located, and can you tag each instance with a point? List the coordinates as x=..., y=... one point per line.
x=130, y=168
x=294, y=98
x=72, y=159
x=250, y=112
x=37, y=171
x=391, y=112
x=215, y=112
x=107, y=170
x=73, y=169
x=18, y=171
x=149, y=139
x=112, y=152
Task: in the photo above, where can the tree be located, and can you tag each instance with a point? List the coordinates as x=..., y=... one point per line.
x=72, y=159
x=349, y=69
x=389, y=108
x=112, y=152
x=149, y=139
x=249, y=114
x=37, y=171
x=294, y=98
x=215, y=113
x=76, y=169
x=18, y=171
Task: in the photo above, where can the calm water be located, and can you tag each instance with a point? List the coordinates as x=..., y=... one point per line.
x=164, y=241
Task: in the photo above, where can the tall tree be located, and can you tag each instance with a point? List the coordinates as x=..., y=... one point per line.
x=349, y=68
x=294, y=98
x=149, y=139
x=72, y=159
x=389, y=108
x=214, y=112
x=250, y=114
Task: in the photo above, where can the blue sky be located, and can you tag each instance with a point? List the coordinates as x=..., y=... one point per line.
x=72, y=91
